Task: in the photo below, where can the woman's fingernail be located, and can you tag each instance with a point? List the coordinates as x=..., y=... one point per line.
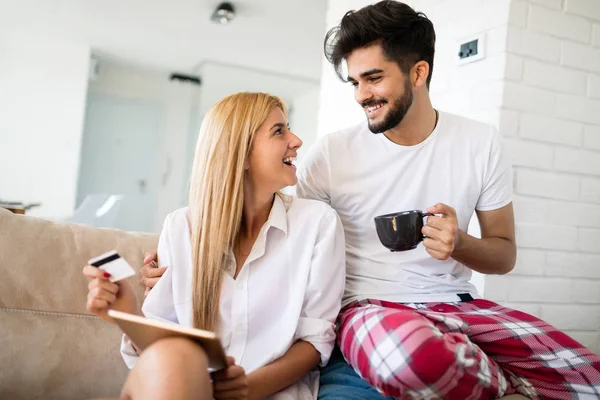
x=106, y=275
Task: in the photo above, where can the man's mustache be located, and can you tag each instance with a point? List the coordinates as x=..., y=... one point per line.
x=370, y=103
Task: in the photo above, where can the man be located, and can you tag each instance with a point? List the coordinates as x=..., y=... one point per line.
x=411, y=325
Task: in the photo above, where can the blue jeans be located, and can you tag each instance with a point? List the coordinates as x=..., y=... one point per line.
x=340, y=382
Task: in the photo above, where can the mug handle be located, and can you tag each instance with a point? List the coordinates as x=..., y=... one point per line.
x=423, y=215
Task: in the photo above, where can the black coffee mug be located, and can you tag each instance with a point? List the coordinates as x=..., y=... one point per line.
x=401, y=231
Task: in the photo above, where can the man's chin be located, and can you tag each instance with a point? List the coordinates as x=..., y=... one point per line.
x=375, y=128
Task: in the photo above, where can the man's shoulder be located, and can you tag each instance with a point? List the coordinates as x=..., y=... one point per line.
x=466, y=126
x=344, y=134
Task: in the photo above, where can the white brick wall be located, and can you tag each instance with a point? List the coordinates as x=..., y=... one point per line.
x=591, y=137
x=550, y=129
x=546, y=184
x=557, y=23
x=540, y=82
x=594, y=86
x=556, y=158
x=590, y=190
x=585, y=8
x=554, y=77
x=582, y=56
x=532, y=44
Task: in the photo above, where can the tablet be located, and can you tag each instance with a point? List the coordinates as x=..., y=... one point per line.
x=143, y=332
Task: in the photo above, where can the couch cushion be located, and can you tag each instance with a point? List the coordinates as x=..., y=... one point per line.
x=41, y=261
x=58, y=356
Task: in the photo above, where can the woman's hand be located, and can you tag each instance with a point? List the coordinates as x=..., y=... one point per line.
x=104, y=295
x=230, y=383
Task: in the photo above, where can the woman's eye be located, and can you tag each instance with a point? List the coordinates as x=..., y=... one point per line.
x=278, y=131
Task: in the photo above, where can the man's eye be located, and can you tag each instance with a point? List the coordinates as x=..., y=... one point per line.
x=355, y=84
x=374, y=79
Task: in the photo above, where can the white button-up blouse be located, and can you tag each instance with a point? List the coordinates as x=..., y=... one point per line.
x=290, y=288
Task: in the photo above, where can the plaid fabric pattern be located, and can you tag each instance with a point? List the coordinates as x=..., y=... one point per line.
x=468, y=350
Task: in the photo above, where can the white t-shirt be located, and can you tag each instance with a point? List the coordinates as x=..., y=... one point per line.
x=362, y=175
x=289, y=288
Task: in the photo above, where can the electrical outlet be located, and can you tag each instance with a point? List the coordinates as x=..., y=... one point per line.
x=471, y=49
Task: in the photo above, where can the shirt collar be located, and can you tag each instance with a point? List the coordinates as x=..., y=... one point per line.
x=278, y=215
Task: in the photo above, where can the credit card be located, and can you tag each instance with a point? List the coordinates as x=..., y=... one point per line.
x=114, y=264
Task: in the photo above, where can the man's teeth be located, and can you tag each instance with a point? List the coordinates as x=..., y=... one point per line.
x=375, y=107
x=289, y=160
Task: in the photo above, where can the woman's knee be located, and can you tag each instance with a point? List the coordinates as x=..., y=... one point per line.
x=169, y=368
x=175, y=353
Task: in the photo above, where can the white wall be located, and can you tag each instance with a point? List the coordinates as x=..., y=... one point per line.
x=553, y=133
x=43, y=81
x=540, y=84
x=303, y=118
x=179, y=102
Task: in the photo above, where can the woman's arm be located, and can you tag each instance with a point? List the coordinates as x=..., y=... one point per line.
x=300, y=359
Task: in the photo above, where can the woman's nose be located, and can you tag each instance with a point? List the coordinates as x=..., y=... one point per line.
x=296, y=142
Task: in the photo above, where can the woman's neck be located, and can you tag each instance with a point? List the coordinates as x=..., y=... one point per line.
x=257, y=207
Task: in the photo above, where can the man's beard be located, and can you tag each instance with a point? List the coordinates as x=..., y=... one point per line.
x=396, y=113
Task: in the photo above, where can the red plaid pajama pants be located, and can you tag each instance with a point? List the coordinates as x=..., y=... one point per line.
x=469, y=350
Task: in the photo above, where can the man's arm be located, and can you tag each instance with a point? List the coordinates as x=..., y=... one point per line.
x=494, y=253
x=150, y=273
x=313, y=173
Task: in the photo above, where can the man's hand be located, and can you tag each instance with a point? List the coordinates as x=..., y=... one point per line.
x=230, y=383
x=441, y=232
x=150, y=272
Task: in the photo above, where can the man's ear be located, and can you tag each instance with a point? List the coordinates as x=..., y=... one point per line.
x=419, y=74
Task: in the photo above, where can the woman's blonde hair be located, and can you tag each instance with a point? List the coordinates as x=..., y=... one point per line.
x=217, y=192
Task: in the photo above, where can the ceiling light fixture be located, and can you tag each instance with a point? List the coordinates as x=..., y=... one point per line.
x=223, y=13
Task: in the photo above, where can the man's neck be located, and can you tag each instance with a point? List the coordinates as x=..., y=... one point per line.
x=416, y=126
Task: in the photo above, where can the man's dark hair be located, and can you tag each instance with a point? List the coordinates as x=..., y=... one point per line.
x=406, y=36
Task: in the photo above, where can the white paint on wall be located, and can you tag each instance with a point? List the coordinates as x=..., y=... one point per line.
x=43, y=83
x=177, y=103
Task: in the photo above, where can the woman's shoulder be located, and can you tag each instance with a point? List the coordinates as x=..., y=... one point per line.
x=309, y=207
x=177, y=219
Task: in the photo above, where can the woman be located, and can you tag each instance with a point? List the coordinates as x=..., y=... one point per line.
x=265, y=271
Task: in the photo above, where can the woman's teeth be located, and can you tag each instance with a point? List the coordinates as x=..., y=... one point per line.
x=289, y=160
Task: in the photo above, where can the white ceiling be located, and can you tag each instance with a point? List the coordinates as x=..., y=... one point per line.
x=283, y=36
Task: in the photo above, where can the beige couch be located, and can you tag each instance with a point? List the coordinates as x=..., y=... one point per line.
x=50, y=347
